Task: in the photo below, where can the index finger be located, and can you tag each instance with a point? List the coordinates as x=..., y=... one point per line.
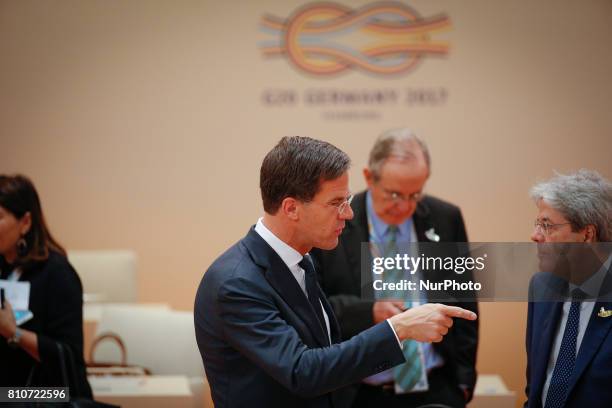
x=400, y=304
x=454, y=311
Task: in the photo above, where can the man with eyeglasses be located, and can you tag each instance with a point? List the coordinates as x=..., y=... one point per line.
x=394, y=208
x=569, y=337
x=267, y=334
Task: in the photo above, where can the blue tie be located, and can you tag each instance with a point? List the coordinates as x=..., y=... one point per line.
x=557, y=389
x=406, y=375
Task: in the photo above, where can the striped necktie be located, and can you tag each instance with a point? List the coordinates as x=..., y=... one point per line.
x=406, y=375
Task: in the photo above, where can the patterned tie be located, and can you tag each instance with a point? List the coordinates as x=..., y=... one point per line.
x=390, y=250
x=312, y=290
x=557, y=389
x=406, y=375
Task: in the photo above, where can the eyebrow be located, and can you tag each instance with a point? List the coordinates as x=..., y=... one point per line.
x=391, y=191
x=339, y=198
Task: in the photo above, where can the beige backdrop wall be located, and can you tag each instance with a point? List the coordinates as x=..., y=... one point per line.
x=143, y=123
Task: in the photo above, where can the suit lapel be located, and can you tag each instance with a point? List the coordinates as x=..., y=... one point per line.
x=422, y=221
x=552, y=312
x=334, y=327
x=596, y=332
x=282, y=280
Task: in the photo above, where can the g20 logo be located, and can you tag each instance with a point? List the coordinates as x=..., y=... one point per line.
x=384, y=38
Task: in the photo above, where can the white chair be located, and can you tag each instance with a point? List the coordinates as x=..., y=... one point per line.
x=108, y=276
x=161, y=340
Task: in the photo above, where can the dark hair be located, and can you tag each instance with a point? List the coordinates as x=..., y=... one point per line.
x=18, y=196
x=295, y=167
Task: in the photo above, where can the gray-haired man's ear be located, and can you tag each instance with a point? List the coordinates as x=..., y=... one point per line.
x=590, y=233
x=368, y=176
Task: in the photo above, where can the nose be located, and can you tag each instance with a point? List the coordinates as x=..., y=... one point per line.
x=347, y=213
x=406, y=205
x=537, y=235
x=404, y=208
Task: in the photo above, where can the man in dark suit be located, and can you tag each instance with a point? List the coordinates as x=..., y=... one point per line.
x=569, y=342
x=267, y=334
x=394, y=203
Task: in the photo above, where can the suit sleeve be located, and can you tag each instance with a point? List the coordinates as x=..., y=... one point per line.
x=528, y=346
x=252, y=324
x=64, y=321
x=466, y=331
x=64, y=313
x=466, y=345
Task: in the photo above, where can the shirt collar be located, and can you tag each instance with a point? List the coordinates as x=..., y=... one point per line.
x=290, y=256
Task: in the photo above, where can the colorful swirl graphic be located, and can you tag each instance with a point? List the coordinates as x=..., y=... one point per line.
x=328, y=38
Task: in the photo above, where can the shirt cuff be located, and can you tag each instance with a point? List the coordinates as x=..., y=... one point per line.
x=398, y=340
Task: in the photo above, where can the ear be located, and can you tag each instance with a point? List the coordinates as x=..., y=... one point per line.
x=368, y=176
x=290, y=208
x=26, y=223
x=590, y=233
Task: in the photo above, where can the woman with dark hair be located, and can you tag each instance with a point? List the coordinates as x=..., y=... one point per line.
x=29, y=354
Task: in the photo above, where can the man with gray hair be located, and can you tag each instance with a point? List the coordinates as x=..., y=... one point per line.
x=394, y=208
x=569, y=343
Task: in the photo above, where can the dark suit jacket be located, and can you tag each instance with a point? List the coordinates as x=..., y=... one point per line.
x=590, y=383
x=340, y=275
x=56, y=301
x=261, y=343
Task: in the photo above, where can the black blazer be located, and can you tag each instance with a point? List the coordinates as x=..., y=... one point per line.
x=340, y=277
x=261, y=343
x=56, y=300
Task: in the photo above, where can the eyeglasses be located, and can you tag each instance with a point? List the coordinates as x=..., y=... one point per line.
x=546, y=228
x=342, y=206
x=399, y=197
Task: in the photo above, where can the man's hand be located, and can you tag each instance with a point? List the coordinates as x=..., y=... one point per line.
x=428, y=323
x=383, y=309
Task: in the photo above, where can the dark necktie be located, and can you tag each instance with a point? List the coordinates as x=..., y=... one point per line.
x=312, y=290
x=557, y=389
